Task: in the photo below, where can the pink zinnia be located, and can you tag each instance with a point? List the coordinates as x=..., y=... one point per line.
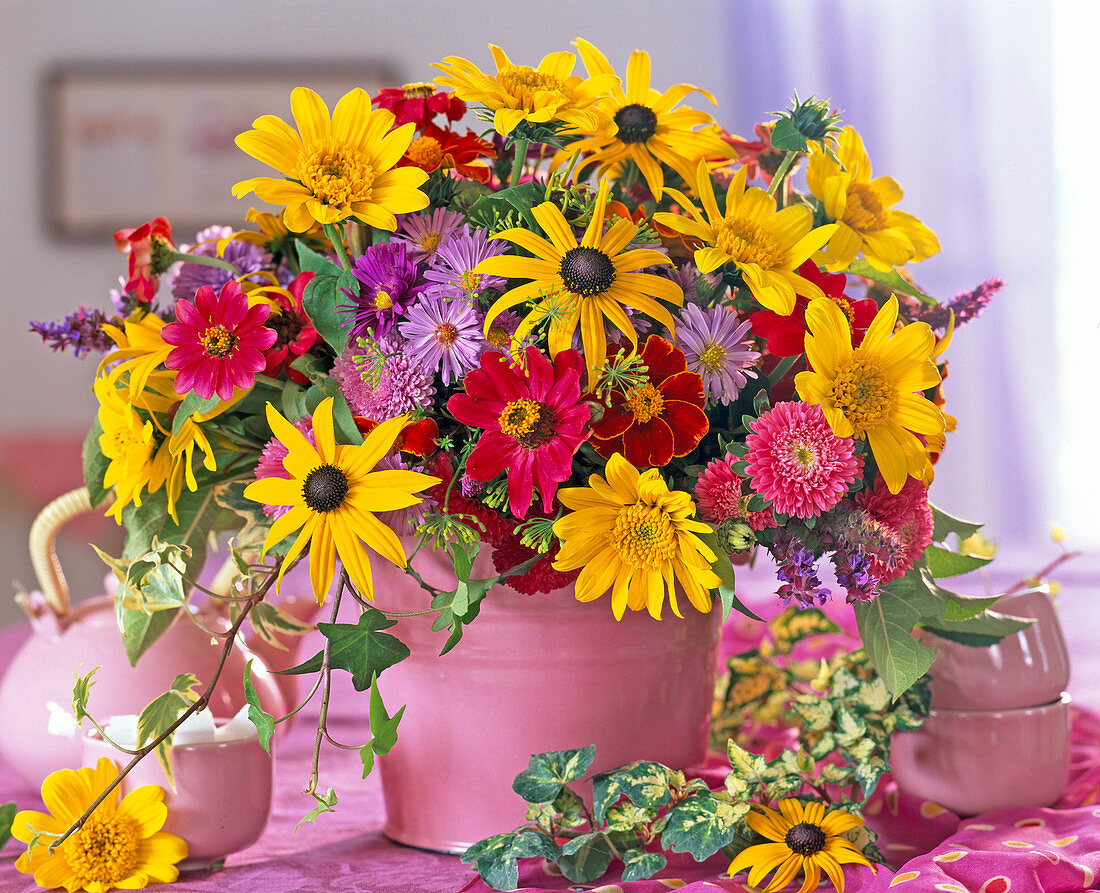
x=534, y=421
x=908, y=515
x=796, y=461
x=219, y=342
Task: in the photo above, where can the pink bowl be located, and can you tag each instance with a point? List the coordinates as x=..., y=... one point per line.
x=974, y=761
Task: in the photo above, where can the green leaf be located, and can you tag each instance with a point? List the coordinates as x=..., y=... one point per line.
x=139, y=630
x=191, y=404
x=383, y=727
x=82, y=688
x=261, y=719
x=868, y=772
x=310, y=665
x=159, y=715
x=943, y=524
x=645, y=784
x=7, y=816
x=95, y=464
x=980, y=631
x=325, y=803
x=268, y=620
x=787, y=138
x=542, y=780
x=723, y=567
x=343, y=421
x=323, y=293
x=497, y=857
x=701, y=825
x=815, y=712
x=585, y=858
x=366, y=754
x=831, y=773
x=963, y=607
x=360, y=647
x=945, y=563
x=885, y=626
x=639, y=865
x=746, y=765
x=311, y=261
x=891, y=280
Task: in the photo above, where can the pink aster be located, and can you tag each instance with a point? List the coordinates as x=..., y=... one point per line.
x=718, y=491
x=219, y=342
x=796, y=461
x=908, y=515
x=534, y=421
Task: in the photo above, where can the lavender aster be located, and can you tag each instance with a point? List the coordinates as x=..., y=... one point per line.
x=185, y=279
x=380, y=381
x=424, y=233
x=389, y=281
x=715, y=347
x=453, y=264
x=81, y=330
x=443, y=335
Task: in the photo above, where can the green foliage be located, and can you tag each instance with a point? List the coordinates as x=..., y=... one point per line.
x=95, y=464
x=944, y=524
x=383, y=727
x=82, y=688
x=546, y=773
x=723, y=567
x=361, y=648
x=161, y=713
x=891, y=279
x=269, y=623
x=507, y=208
x=945, y=563
x=7, y=816
x=326, y=802
x=323, y=294
x=261, y=719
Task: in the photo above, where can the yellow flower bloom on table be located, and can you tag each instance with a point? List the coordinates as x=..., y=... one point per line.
x=334, y=168
x=766, y=245
x=863, y=209
x=629, y=533
x=873, y=391
x=581, y=284
x=641, y=125
x=805, y=838
x=520, y=93
x=334, y=492
x=119, y=846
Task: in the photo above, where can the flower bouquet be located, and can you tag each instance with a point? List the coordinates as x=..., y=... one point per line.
x=605, y=340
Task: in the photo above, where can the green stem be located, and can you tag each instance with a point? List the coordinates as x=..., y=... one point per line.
x=518, y=161
x=335, y=234
x=204, y=261
x=784, y=168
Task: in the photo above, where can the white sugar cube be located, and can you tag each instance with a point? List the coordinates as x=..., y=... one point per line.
x=238, y=728
x=198, y=728
x=61, y=721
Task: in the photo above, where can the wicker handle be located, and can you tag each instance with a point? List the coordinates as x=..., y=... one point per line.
x=44, y=530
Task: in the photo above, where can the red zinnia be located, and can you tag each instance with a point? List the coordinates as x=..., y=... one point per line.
x=437, y=148
x=219, y=342
x=143, y=244
x=534, y=421
x=419, y=103
x=658, y=419
x=787, y=334
x=294, y=330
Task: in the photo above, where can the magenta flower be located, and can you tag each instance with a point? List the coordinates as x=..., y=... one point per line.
x=219, y=342
x=796, y=461
x=907, y=515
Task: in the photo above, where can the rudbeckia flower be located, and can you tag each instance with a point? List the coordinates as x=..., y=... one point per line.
x=641, y=125
x=631, y=535
x=863, y=210
x=119, y=846
x=334, y=168
x=334, y=492
x=766, y=245
x=873, y=391
x=521, y=93
x=805, y=838
x=581, y=284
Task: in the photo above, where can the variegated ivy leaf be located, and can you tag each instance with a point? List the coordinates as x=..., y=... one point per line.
x=861, y=750
x=815, y=712
x=873, y=694
x=627, y=815
x=782, y=787
x=844, y=683
x=868, y=772
x=825, y=745
x=831, y=773
x=159, y=715
x=269, y=623
x=542, y=780
x=639, y=865
x=542, y=814
x=702, y=824
x=82, y=688
x=792, y=625
x=645, y=784
x=905, y=718
x=570, y=809
x=153, y=581
x=585, y=858
x=850, y=728
x=748, y=766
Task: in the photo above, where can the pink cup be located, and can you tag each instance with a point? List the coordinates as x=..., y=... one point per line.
x=974, y=761
x=222, y=797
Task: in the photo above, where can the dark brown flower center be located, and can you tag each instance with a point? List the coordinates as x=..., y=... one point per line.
x=636, y=123
x=805, y=839
x=324, y=488
x=218, y=342
x=531, y=423
x=587, y=271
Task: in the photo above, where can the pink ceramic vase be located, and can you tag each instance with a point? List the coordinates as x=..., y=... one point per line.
x=531, y=674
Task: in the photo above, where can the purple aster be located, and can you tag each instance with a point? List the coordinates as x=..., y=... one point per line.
x=714, y=345
x=389, y=280
x=82, y=330
x=380, y=381
x=424, y=233
x=185, y=279
x=443, y=335
x=454, y=262
x=499, y=337
x=797, y=571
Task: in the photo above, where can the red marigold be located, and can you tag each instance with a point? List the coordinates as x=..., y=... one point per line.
x=787, y=334
x=437, y=148
x=144, y=244
x=294, y=330
x=219, y=342
x=419, y=103
x=533, y=418
x=659, y=418
x=907, y=514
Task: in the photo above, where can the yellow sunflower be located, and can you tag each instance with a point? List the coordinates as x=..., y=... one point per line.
x=805, y=838
x=873, y=391
x=120, y=845
x=863, y=209
x=643, y=126
x=634, y=536
x=581, y=284
x=334, y=168
x=520, y=93
x=766, y=245
x=334, y=492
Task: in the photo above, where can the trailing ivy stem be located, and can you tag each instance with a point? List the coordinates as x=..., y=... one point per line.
x=518, y=161
x=205, y=261
x=335, y=233
x=781, y=174
x=326, y=689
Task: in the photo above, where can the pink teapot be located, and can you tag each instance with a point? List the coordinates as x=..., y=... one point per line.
x=36, y=691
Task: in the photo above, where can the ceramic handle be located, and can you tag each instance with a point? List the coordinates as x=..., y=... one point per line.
x=44, y=530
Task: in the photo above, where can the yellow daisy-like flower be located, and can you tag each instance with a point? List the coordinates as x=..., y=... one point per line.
x=520, y=93
x=334, y=492
x=581, y=283
x=141, y=349
x=643, y=126
x=334, y=168
x=863, y=209
x=766, y=245
x=120, y=845
x=873, y=391
x=805, y=838
x=634, y=536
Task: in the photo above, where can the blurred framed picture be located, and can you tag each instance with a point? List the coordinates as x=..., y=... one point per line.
x=128, y=142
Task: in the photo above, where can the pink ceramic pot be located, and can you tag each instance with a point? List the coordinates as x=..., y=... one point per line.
x=531, y=674
x=973, y=761
x=222, y=798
